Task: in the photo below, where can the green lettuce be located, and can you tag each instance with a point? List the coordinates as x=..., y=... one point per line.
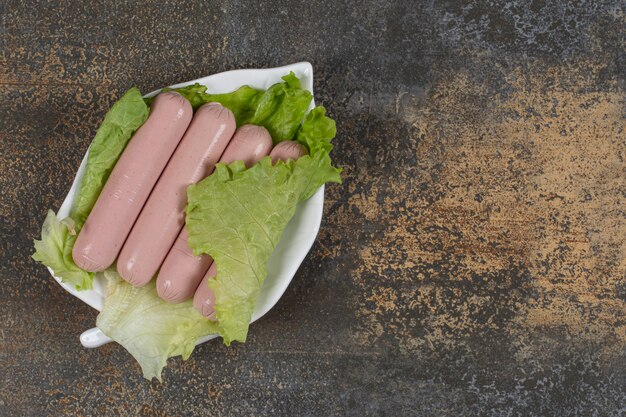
x=149, y=328
x=58, y=236
x=54, y=250
x=280, y=108
x=316, y=133
x=238, y=215
x=195, y=93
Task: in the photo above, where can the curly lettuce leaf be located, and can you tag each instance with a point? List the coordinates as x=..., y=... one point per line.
x=240, y=227
x=195, y=93
x=280, y=108
x=148, y=327
x=58, y=236
x=55, y=251
x=316, y=133
x=238, y=215
x=243, y=102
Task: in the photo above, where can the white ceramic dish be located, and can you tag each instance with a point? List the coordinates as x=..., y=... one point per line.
x=296, y=240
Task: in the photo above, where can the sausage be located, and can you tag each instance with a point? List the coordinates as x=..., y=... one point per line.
x=287, y=150
x=250, y=144
x=130, y=182
x=181, y=271
x=163, y=215
x=204, y=299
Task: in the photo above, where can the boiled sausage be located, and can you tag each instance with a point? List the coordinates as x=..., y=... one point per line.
x=163, y=216
x=131, y=182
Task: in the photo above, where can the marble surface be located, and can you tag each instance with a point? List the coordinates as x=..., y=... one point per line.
x=473, y=262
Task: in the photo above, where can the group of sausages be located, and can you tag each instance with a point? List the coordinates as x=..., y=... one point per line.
x=139, y=216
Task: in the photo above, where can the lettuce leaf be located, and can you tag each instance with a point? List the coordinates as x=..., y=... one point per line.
x=55, y=251
x=148, y=327
x=58, y=236
x=195, y=93
x=316, y=133
x=238, y=215
x=280, y=108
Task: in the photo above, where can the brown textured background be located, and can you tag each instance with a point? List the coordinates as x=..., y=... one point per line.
x=473, y=262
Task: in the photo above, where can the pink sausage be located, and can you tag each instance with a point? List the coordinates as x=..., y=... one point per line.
x=130, y=183
x=204, y=299
x=163, y=215
x=287, y=150
x=181, y=271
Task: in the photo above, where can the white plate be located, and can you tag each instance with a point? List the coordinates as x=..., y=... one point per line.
x=296, y=240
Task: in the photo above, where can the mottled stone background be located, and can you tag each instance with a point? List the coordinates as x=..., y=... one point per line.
x=473, y=262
